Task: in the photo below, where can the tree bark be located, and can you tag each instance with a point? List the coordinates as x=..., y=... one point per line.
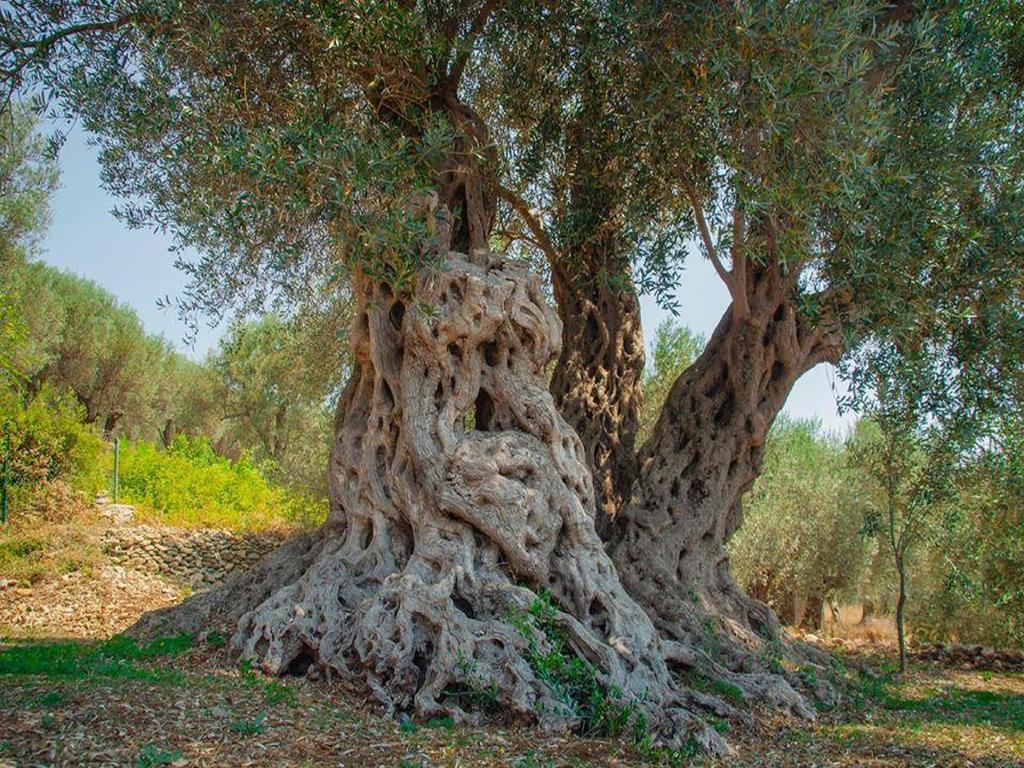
x=167, y=433
x=814, y=612
x=598, y=380
x=900, y=605
x=704, y=453
x=440, y=538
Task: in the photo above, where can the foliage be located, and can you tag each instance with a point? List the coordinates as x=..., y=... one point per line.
x=118, y=657
x=49, y=443
x=189, y=485
x=600, y=710
x=274, y=381
x=800, y=543
x=28, y=176
x=970, y=576
x=674, y=348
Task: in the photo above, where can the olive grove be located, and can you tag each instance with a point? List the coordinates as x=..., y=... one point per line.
x=850, y=170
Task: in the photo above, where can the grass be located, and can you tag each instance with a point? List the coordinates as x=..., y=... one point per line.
x=118, y=657
x=32, y=550
x=151, y=755
x=253, y=727
x=932, y=716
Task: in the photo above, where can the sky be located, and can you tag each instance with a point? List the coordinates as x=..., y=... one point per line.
x=138, y=268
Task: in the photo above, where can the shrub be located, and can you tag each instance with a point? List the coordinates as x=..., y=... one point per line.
x=800, y=542
x=49, y=444
x=189, y=485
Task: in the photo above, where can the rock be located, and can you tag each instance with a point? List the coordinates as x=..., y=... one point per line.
x=118, y=513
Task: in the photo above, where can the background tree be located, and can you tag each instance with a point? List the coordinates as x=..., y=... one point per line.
x=801, y=543
x=673, y=350
x=95, y=347
x=907, y=454
x=186, y=400
x=969, y=584
x=28, y=176
x=274, y=392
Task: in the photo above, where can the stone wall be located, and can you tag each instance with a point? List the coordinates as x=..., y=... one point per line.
x=199, y=558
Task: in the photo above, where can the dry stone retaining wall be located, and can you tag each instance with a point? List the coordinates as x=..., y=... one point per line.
x=199, y=558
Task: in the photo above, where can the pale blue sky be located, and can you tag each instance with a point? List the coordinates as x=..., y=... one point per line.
x=138, y=268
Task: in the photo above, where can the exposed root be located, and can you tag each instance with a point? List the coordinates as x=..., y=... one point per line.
x=459, y=493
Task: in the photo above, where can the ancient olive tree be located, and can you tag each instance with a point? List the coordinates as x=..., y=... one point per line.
x=320, y=148
x=843, y=168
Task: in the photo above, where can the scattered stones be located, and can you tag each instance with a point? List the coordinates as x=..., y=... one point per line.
x=118, y=513
x=972, y=656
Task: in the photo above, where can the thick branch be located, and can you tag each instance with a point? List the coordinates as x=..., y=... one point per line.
x=705, y=235
x=540, y=236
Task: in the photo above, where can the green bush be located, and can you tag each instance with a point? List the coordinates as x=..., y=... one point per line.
x=49, y=444
x=189, y=485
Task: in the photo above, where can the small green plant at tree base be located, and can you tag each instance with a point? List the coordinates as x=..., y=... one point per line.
x=408, y=726
x=600, y=710
x=150, y=756
x=479, y=691
x=274, y=691
x=216, y=640
x=676, y=758
x=531, y=760
x=252, y=727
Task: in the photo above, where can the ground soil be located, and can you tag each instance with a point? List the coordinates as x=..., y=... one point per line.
x=201, y=708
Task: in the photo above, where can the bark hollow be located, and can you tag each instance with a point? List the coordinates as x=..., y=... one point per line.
x=598, y=382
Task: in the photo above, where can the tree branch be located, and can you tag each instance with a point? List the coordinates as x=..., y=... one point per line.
x=457, y=68
x=705, y=235
x=540, y=236
x=39, y=47
x=739, y=264
x=75, y=29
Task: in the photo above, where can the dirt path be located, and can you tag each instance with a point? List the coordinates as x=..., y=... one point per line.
x=83, y=607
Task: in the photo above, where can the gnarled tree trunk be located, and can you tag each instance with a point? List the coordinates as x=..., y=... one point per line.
x=705, y=452
x=441, y=537
x=597, y=381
